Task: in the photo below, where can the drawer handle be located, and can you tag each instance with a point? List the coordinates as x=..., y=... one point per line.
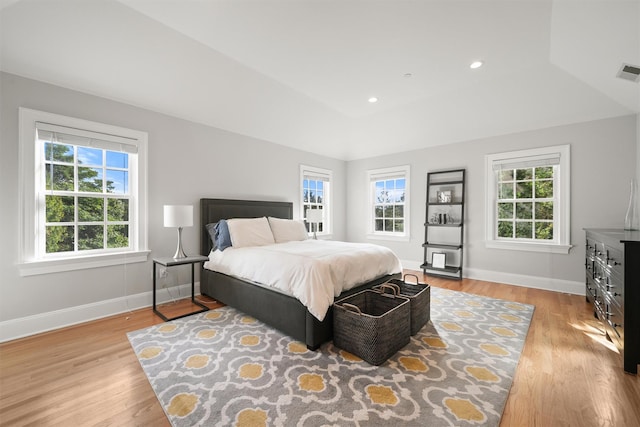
x=617, y=325
x=615, y=294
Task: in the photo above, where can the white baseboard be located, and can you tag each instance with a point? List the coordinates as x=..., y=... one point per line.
x=31, y=325
x=536, y=282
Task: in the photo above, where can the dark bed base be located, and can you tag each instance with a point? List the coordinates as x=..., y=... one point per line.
x=276, y=309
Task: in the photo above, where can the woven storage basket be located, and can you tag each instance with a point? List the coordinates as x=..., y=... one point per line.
x=420, y=296
x=371, y=325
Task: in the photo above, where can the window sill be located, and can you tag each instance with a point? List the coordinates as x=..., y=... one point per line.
x=33, y=268
x=389, y=237
x=529, y=246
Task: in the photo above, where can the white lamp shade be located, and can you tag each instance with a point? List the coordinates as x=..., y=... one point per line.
x=178, y=215
x=314, y=215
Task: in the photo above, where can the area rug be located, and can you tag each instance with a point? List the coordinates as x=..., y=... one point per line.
x=223, y=368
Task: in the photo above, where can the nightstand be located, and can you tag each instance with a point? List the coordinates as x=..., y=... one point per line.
x=170, y=262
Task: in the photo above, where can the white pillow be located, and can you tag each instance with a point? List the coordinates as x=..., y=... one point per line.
x=287, y=230
x=250, y=232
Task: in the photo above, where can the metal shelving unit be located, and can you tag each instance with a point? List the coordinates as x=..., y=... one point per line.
x=444, y=224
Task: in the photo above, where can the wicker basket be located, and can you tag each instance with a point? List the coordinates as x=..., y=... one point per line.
x=371, y=325
x=418, y=293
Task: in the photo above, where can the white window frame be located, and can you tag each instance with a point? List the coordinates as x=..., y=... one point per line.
x=382, y=174
x=327, y=203
x=32, y=260
x=561, y=199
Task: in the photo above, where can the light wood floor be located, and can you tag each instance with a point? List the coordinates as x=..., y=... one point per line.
x=568, y=374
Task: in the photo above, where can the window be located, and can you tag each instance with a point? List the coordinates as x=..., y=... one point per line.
x=528, y=200
x=83, y=193
x=389, y=203
x=316, y=194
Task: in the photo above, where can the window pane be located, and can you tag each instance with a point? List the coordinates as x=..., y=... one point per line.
x=505, y=210
x=398, y=226
x=90, y=237
x=544, y=210
x=505, y=191
x=319, y=197
x=399, y=211
x=379, y=212
x=117, y=182
x=524, y=190
x=544, y=230
x=90, y=179
x=59, y=239
x=117, y=160
x=379, y=225
x=89, y=156
x=388, y=225
x=58, y=152
x=400, y=184
x=506, y=175
x=389, y=184
x=524, y=210
x=118, y=210
x=505, y=229
x=59, y=177
x=524, y=174
x=524, y=230
x=90, y=209
x=117, y=236
x=59, y=208
x=305, y=195
x=544, y=189
x=546, y=172
x=388, y=211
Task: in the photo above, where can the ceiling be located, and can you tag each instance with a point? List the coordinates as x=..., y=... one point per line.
x=300, y=72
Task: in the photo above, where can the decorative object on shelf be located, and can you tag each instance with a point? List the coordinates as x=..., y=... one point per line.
x=178, y=216
x=314, y=216
x=444, y=196
x=632, y=219
x=438, y=260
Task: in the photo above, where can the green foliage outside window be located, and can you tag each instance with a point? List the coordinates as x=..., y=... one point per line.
x=525, y=203
x=71, y=214
x=388, y=208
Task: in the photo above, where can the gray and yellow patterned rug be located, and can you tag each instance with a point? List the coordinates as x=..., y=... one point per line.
x=224, y=368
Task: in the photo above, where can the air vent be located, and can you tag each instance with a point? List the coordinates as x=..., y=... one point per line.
x=629, y=72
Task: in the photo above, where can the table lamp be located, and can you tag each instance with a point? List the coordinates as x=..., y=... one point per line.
x=314, y=216
x=178, y=216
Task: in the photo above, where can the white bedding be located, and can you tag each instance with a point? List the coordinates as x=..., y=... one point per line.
x=313, y=271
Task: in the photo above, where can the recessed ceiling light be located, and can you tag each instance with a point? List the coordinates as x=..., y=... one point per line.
x=476, y=64
x=408, y=75
x=373, y=99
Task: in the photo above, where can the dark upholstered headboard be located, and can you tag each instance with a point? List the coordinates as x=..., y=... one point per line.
x=213, y=210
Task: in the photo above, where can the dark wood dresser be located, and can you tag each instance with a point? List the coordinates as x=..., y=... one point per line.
x=613, y=287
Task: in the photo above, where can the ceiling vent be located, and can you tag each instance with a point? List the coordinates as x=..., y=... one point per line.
x=629, y=72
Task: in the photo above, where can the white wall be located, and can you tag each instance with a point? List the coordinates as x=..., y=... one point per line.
x=187, y=161
x=603, y=161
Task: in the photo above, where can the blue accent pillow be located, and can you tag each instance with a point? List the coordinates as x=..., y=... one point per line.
x=223, y=238
x=211, y=229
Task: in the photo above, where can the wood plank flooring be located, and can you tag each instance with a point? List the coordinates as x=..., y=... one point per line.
x=568, y=375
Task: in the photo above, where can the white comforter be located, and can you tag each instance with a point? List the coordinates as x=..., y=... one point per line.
x=313, y=271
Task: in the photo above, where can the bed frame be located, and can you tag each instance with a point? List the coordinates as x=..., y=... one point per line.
x=274, y=308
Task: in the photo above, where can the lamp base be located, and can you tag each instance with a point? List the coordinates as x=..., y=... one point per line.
x=179, y=251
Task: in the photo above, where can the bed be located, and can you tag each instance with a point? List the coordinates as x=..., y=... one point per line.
x=270, y=306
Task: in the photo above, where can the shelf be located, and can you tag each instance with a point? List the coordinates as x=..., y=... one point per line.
x=445, y=200
x=446, y=182
x=447, y=269
x=443, y=246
